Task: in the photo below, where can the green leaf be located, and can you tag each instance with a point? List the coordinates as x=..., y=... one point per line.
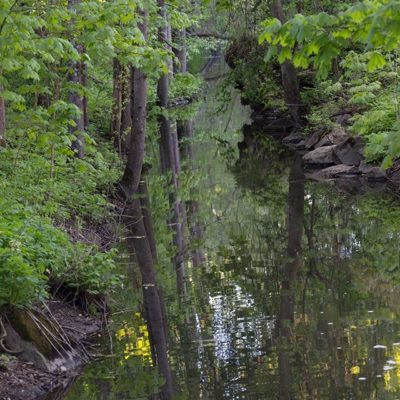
x=376, y=61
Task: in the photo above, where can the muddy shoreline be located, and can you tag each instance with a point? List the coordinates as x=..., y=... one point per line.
x=24, y=379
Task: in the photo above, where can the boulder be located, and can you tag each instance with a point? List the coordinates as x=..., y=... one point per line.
x=321, y=156
x=351, y=186
x=336, y=171
x=300, y=147
x=349, y=152
x=335, y=136
x=393, y=174
x=343, y=119
x=312, y=140
x=372, y=172
x=293, y=138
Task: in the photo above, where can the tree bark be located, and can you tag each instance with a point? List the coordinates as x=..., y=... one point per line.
x=126, y=112
x=169, y=154
x=147, y=218
x=75, y=97
x=133, y=169
x=116, y=104
x=151, y=295
x=2, y=119
x=84, y=83
x=166, y=142
x=295, y=222
x=180, y=52
x=289, y=75
x=185, y=136
x=138, y=222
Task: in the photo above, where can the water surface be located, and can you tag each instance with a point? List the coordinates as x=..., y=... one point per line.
x=299, y=294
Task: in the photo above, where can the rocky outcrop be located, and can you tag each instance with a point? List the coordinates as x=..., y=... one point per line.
x=336, y=155
x=336, y=171
x=373, y=173
x=323, y=156
x=350, y=151
x=336, y=136
x=294, y=138
x=393, y=174
x=329, y=155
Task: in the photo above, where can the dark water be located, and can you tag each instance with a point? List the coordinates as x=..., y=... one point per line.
x=299, y=297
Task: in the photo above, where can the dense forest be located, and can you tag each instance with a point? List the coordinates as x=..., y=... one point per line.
x=208, y=186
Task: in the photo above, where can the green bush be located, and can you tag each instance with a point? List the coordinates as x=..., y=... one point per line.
x=34, y=207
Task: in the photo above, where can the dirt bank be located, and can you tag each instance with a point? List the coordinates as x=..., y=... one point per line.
x=21, y=379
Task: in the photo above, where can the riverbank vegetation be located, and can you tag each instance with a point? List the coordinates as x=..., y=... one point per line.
x=66, y=115
x=324, y=62
x=97, y=101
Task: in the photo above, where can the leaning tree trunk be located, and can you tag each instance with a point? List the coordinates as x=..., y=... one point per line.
x=289, y=75
x=75, y=97
x=151, y=295
x=147, y=218
x=140, y=228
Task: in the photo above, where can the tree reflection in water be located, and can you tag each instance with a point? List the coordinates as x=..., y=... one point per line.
x=297, y=299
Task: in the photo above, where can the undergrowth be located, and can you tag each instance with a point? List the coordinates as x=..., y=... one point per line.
x=34, y=206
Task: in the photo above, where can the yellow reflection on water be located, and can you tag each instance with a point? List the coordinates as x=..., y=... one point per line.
x=137, y=342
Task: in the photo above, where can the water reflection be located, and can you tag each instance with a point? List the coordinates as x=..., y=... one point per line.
x=297, y=299
x=288, y=286
x=303, y=319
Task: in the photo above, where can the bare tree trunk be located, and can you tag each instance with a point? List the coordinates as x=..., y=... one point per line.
x=169, y=155
x=181, y=53
x=151, y=296
x=2, y=120
x=166, y=140
x=185, y=136
x=75, y=97
x=147, y=219
x=116, y=105
x=126, y=112
x=84, y=83
x=148, y=225
x=196, y=233
x=289, y=75
x=295, y=222
x=141, y=236
x=133, y=169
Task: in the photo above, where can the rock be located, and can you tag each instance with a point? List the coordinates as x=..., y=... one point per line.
x=393, y=174
x=312, y=140
x=336, y=171
x=336, y=136
x=293, y=138
x=321, y=156
x=301, y=146
x=343, y=119
x=351, y=186
x=372, y=172
x=349, y=152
